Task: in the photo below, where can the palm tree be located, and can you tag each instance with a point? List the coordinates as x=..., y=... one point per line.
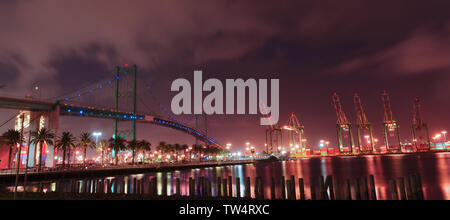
x=67, y=142
x=11, y=138
x=117, y=144
x=85, y=142
x=133, y=145
x=177, y=148
x=184, y=147
x=144, y=146
x=39, y=138
x=102, y=146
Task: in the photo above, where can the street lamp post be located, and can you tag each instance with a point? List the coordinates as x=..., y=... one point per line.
x=96, y=135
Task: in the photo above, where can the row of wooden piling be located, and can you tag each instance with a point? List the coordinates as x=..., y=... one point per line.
x=407, y=188
x=322, y=188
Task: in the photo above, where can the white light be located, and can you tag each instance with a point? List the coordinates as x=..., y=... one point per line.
x=97, y=134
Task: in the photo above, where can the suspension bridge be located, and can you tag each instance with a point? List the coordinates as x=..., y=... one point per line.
x=37, y=114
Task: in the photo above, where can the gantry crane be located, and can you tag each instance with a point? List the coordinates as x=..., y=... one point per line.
x=296, y=134
x=274, y=137
x=343, y=125
x=363, y=126
x=419, y=125
x=390, y=125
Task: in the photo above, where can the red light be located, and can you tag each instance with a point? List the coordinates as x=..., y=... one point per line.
x=126, y=65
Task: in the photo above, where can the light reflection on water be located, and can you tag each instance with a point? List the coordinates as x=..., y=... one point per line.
x=433, y=168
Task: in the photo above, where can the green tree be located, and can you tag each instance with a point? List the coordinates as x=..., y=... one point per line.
x=66, y=143
x=11, y=138
x=102, y=146
x=144, y=146
x=85, y=143
x=117, y=144
x=39, y=138
x=133, y=145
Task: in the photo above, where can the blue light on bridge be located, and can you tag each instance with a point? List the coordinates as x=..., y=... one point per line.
x=81, y=112
x=69, y=110
x=101, y=87
x=79, y=94
x=67, y=99
x=109, y=82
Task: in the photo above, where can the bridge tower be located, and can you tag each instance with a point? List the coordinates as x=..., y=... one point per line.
x=123, y=71
x=343, y=127
x=296, y=134
x=390, y=125
x=421, y=141
x=364, y=128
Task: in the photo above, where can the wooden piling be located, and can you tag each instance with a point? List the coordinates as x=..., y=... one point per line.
x=248, y=193
x=337, y=190
x=348, y=190
x=322, y=191
x=329, y=185
x=357, y=189
x=230, y=186
x=261, y=188
x=191, y=187
x=312, y=187
x=401, y=185
x=373, y=190
x=420, y=195
x=393, y=188
x=283, y=188
x=238, y=187
x=219, y=186
x=293, y=189
x=409, y=194
x=301, y=188
x=108, y=190
x=365, y=188
x=225, y=188
x=272, y=189
x=199, y=183
x=256, y=188
x=288, y=189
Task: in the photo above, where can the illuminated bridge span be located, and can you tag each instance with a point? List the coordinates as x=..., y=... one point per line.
x=95, y=112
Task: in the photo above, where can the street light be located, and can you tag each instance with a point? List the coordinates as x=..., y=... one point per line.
x=96, y=135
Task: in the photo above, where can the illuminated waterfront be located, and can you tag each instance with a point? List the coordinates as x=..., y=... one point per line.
x=434, y=169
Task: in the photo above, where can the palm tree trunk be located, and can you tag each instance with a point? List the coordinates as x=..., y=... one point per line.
x=64, y=158
x=102, y=157
x=68, y=159
x=40, y=156
x=84, y=156
x=9, y=158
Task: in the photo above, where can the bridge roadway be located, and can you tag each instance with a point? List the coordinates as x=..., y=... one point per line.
x=95, y=112
x=8, y=176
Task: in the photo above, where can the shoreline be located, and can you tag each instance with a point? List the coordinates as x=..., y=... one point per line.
x=6, y=179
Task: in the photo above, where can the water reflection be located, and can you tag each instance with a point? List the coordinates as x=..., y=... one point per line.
x=433, y=168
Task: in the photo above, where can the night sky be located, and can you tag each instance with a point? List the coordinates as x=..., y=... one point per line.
x=314, y=47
